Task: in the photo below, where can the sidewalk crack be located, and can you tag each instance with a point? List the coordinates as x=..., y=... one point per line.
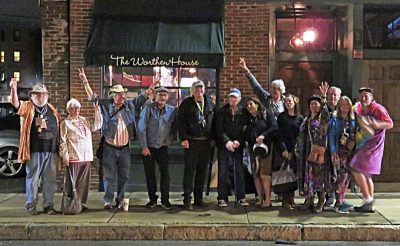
x=15, y=194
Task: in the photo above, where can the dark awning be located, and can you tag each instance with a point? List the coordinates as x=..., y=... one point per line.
x=157, y=33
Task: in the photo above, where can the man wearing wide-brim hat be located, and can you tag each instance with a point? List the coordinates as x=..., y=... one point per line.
x=154, y=126
x=38, y=145
x=119, y=121
x=367, y=159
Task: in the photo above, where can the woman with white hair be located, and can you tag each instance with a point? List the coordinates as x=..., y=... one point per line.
x=76, y=148
x=273, y=101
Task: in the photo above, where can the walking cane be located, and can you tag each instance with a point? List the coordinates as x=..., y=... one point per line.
x=234, y=176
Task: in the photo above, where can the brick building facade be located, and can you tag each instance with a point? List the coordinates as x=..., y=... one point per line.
x=66, y=26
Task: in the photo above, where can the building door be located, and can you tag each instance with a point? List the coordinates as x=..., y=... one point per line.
x=303, y=78
x=384, y=78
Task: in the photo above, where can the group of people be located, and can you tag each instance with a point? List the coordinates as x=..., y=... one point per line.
x=335, y=141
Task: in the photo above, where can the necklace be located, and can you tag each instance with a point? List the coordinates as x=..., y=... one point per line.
x=42, y=111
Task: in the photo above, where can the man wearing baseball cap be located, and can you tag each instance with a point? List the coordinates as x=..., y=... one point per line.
x=153, y=130
x=38, y=145
x=367, y=159
x=195, y=121
x=231, y=122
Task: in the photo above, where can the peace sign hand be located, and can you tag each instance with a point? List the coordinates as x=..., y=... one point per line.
x=82, y=75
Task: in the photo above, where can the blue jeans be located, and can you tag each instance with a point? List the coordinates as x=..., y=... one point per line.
x=116, y=164
x=42, y=167
x=230, y=163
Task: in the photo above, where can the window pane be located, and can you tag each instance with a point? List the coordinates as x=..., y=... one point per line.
x=2, y=56
x=3, y=76
x=17, y=76
x=2, y=36
x=177, y=80
x=17, y=35
x=381, y=29
x=17, y=56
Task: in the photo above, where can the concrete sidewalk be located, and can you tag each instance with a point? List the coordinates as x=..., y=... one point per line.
x=212, y=223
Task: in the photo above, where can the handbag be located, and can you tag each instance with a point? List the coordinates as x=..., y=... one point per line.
x=317, y=153
x=284, y=180
x=71, y=204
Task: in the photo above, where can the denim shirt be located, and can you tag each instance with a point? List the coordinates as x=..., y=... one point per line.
x=128, y=111
x=335, y=131
x=154, y=125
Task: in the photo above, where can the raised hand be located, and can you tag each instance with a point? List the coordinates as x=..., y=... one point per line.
x=13, y=84
x=323, y=88
x=242, y=64
x=82, y=75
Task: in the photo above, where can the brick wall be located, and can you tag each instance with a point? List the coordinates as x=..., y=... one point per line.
x=80, y=19
x=66, y=27
x=55, y=46
x=246, y=35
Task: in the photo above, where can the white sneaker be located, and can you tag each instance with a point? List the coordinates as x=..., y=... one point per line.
x=222, y=203
x=242, y=202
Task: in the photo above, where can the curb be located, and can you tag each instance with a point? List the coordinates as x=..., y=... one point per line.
x=265, y=232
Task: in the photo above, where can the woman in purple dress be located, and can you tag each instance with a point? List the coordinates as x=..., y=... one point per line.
x=374, y=120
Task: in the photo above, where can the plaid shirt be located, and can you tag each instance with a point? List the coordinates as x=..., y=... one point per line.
x=76, y=137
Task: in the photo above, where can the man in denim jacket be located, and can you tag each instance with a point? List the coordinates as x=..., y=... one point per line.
x=118, y=125
x=154, y=125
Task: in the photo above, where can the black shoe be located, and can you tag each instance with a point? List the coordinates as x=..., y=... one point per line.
x=32, y=211
x=187, y=205
x=151, y=204
x=365, y=208
x=166, y=205
x=200, y=204
x=49, y=211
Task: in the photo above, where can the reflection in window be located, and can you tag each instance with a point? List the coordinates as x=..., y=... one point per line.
x=17, y=76
x=177, y=80
x=381, y=28
x=17, y=56
x=3, y=76
x=17, y=35
x=2, y=56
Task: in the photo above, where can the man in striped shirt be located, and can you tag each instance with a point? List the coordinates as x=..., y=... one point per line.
x=119, y=121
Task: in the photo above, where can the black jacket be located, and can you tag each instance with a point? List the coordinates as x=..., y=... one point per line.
x=190, y=119
x=263, y=124
x=229, y=127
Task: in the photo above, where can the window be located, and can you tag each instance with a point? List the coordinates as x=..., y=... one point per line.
x=178, y=80
x=17, y=76
x=2, y=36
x=2, y=56
x=287, y=28
x=17, y=35
x=381, y=28
x=17, y=56
x=3, y=76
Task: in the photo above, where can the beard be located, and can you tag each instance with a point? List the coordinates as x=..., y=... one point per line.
x=38, y=102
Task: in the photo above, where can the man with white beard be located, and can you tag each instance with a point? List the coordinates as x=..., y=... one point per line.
x=38, y=145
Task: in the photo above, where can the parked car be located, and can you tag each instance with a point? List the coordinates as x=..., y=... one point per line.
x=9, y=142
x=10, y=166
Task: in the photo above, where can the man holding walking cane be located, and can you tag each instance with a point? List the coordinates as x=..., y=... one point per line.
x=231, y=124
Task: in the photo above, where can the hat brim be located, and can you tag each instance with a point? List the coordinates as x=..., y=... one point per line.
x=30, y=92
x=234, y=94
x=124, y=90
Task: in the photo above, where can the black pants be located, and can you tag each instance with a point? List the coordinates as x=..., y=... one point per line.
x=197, y=159
x=159, y=155
x=230, y=163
